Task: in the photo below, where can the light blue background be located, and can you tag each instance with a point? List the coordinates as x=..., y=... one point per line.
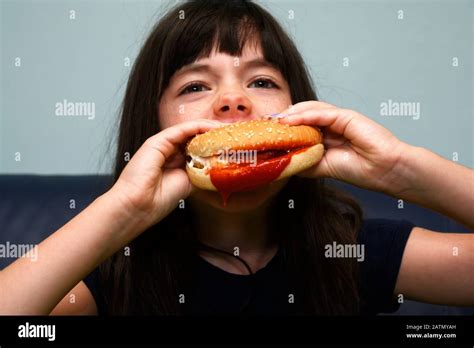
x=406, y=60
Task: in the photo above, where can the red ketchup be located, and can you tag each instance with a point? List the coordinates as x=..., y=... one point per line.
x=245, y=177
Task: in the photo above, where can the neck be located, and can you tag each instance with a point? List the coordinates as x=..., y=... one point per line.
x=245, y=233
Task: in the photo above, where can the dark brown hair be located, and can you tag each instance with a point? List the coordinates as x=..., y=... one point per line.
x=160, y=264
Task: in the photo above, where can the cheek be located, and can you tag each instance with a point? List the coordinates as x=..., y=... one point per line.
x=172, y=113
x=267, y=105
x=164, y=113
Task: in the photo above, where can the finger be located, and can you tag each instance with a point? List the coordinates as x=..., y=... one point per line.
x=336, y=163
x=334, y=142
x=300, y=107
x=319, y=170
x=307, y=105
x=168, y=141
x=177, y=160
x=178, y=183
x=179, y=133
x=332, y=139
x=336, y=120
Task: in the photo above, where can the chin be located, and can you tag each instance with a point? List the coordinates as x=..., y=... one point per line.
x=239, y=202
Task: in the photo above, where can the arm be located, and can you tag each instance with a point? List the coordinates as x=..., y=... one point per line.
x=363, y=153
x=83, y=304
x=438, y=268
x=66, y=257
x=147, y=190
x=427, y=179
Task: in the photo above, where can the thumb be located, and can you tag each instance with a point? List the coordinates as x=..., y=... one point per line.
x=319, y=170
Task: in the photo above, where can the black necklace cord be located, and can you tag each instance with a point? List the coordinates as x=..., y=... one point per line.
x=249, y=299
x=210, y=248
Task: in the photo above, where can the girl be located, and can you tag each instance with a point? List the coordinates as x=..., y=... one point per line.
x=154, y=244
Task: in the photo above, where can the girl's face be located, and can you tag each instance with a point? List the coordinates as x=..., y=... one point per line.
x=228, y=89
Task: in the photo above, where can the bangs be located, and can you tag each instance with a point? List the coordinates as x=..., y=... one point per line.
x=228, y=28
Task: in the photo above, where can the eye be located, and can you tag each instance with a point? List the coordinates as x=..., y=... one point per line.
x=264, y=83
x=193, y=88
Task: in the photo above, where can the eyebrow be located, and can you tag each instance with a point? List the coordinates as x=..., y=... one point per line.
x=251, y=64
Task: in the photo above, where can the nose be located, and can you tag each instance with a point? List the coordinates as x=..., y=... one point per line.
x=232, y=107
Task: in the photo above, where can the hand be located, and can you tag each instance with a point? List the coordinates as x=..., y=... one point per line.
x=358, y=150
x=154, y=180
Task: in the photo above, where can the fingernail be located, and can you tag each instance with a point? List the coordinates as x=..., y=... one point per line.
x=270, y=116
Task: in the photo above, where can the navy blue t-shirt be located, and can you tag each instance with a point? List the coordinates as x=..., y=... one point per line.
x=220, y=292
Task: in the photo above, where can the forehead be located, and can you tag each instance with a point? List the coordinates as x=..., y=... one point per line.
x=251, y=57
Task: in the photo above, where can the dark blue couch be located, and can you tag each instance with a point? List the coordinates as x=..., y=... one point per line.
x=33, y=206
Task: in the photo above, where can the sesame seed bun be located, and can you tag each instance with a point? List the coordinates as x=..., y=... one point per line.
x=260, y=135
x=248, y=135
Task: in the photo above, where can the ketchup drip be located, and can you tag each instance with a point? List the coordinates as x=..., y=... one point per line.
x=245, y=177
